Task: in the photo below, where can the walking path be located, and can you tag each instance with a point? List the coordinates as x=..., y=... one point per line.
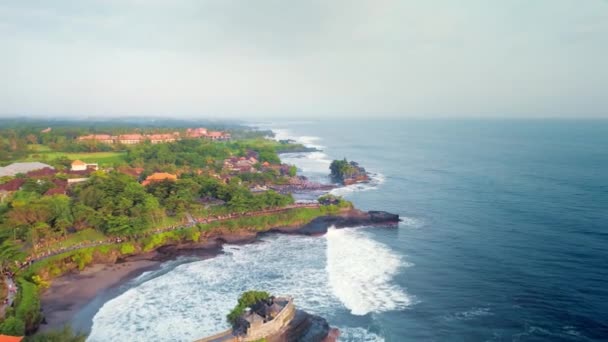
x=191, y=222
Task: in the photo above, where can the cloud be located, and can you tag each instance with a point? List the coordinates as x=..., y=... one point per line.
x=305, y=58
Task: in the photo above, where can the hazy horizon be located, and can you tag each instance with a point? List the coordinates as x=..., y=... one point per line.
x=304, y=60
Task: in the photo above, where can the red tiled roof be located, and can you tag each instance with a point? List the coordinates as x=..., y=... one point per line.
x=78, y=162
x=7, y=338
x=96, y=137
x=159, y=176
x=47, y=171
x=12, y=185
x=131, y=137
x=160, y=137
x=55, y=191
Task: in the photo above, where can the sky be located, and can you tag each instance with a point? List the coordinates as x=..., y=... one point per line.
x=304, y=59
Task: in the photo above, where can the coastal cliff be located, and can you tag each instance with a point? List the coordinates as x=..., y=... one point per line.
x=70, y=293
x=351, y=218
x=348, y=173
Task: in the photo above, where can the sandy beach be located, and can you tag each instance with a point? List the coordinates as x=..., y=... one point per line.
x=75, y=298
x=70, y=296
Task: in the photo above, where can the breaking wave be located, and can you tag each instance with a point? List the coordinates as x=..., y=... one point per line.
x=376, y=179
x=191, y=300
x=286, y=134
x=361, y=271
x=348, y=334
x=309, y=162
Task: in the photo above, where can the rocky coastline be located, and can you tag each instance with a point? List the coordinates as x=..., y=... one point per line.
x=75, y=298
x=348, y=173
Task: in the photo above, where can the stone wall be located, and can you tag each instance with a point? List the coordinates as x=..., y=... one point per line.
x=254, y=334
x=274, y=326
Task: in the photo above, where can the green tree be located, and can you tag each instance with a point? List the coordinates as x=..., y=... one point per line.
x=246, y=300
x=64, y=335
x=13, y=326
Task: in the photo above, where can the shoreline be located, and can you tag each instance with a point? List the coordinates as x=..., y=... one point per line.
x=75, y=298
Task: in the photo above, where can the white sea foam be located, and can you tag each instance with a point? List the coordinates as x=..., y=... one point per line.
x=286, y=134
x=357, y=334
x=468, y=315
x=191, y=300
x=309, y=162
x=376, y=179
x=410, y=222
x=361, y=271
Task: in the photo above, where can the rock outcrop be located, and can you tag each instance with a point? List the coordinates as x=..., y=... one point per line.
x=352, y=218
x=305, y=327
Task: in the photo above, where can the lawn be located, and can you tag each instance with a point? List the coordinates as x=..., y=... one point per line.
x=102, y=158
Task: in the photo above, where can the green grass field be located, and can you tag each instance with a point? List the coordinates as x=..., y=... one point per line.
x=102, y=158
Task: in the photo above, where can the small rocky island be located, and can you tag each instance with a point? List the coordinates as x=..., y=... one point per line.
x=348, y=173
x=258, y=316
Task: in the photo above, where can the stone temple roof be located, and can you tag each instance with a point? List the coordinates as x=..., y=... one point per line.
x=16, y=168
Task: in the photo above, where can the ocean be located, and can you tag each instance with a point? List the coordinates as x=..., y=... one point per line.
x=504, y=237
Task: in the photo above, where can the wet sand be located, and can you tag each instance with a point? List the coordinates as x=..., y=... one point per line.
x=69, y=296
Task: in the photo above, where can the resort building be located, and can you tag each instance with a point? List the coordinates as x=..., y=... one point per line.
x=131, y=139
x=240, y=164
x=159, y=177
x=217, y=136
x=10, y=187
x=196, y=132
x=101, y=138
x=206, y=134
x=136, y=138
x=78, y=165
x=161, y=138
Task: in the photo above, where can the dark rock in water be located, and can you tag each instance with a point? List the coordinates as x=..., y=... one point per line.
x=305, y=327
x=353, y=218
x=382, y=216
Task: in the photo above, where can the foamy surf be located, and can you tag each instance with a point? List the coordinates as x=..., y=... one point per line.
x=191, y=300
x=346, y=271
x=361, y=271
x=348, y=334
x=376, y=179
x=286, y=134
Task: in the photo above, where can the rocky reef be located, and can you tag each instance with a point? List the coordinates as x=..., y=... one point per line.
x=348, y=173
x=305, y=327
x=351, y=218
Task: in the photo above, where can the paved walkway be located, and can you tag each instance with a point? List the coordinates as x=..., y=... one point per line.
x=191, y=222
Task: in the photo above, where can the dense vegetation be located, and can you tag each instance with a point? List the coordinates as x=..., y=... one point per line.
x=246, y=300
x=113, y=209
x=342, y=169
x=197, y=153
x=21, y=139
x=64, y=335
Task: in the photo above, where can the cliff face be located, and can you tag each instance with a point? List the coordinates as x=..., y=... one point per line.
x=348, y=173
x=352, y=218
x=305, y=327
